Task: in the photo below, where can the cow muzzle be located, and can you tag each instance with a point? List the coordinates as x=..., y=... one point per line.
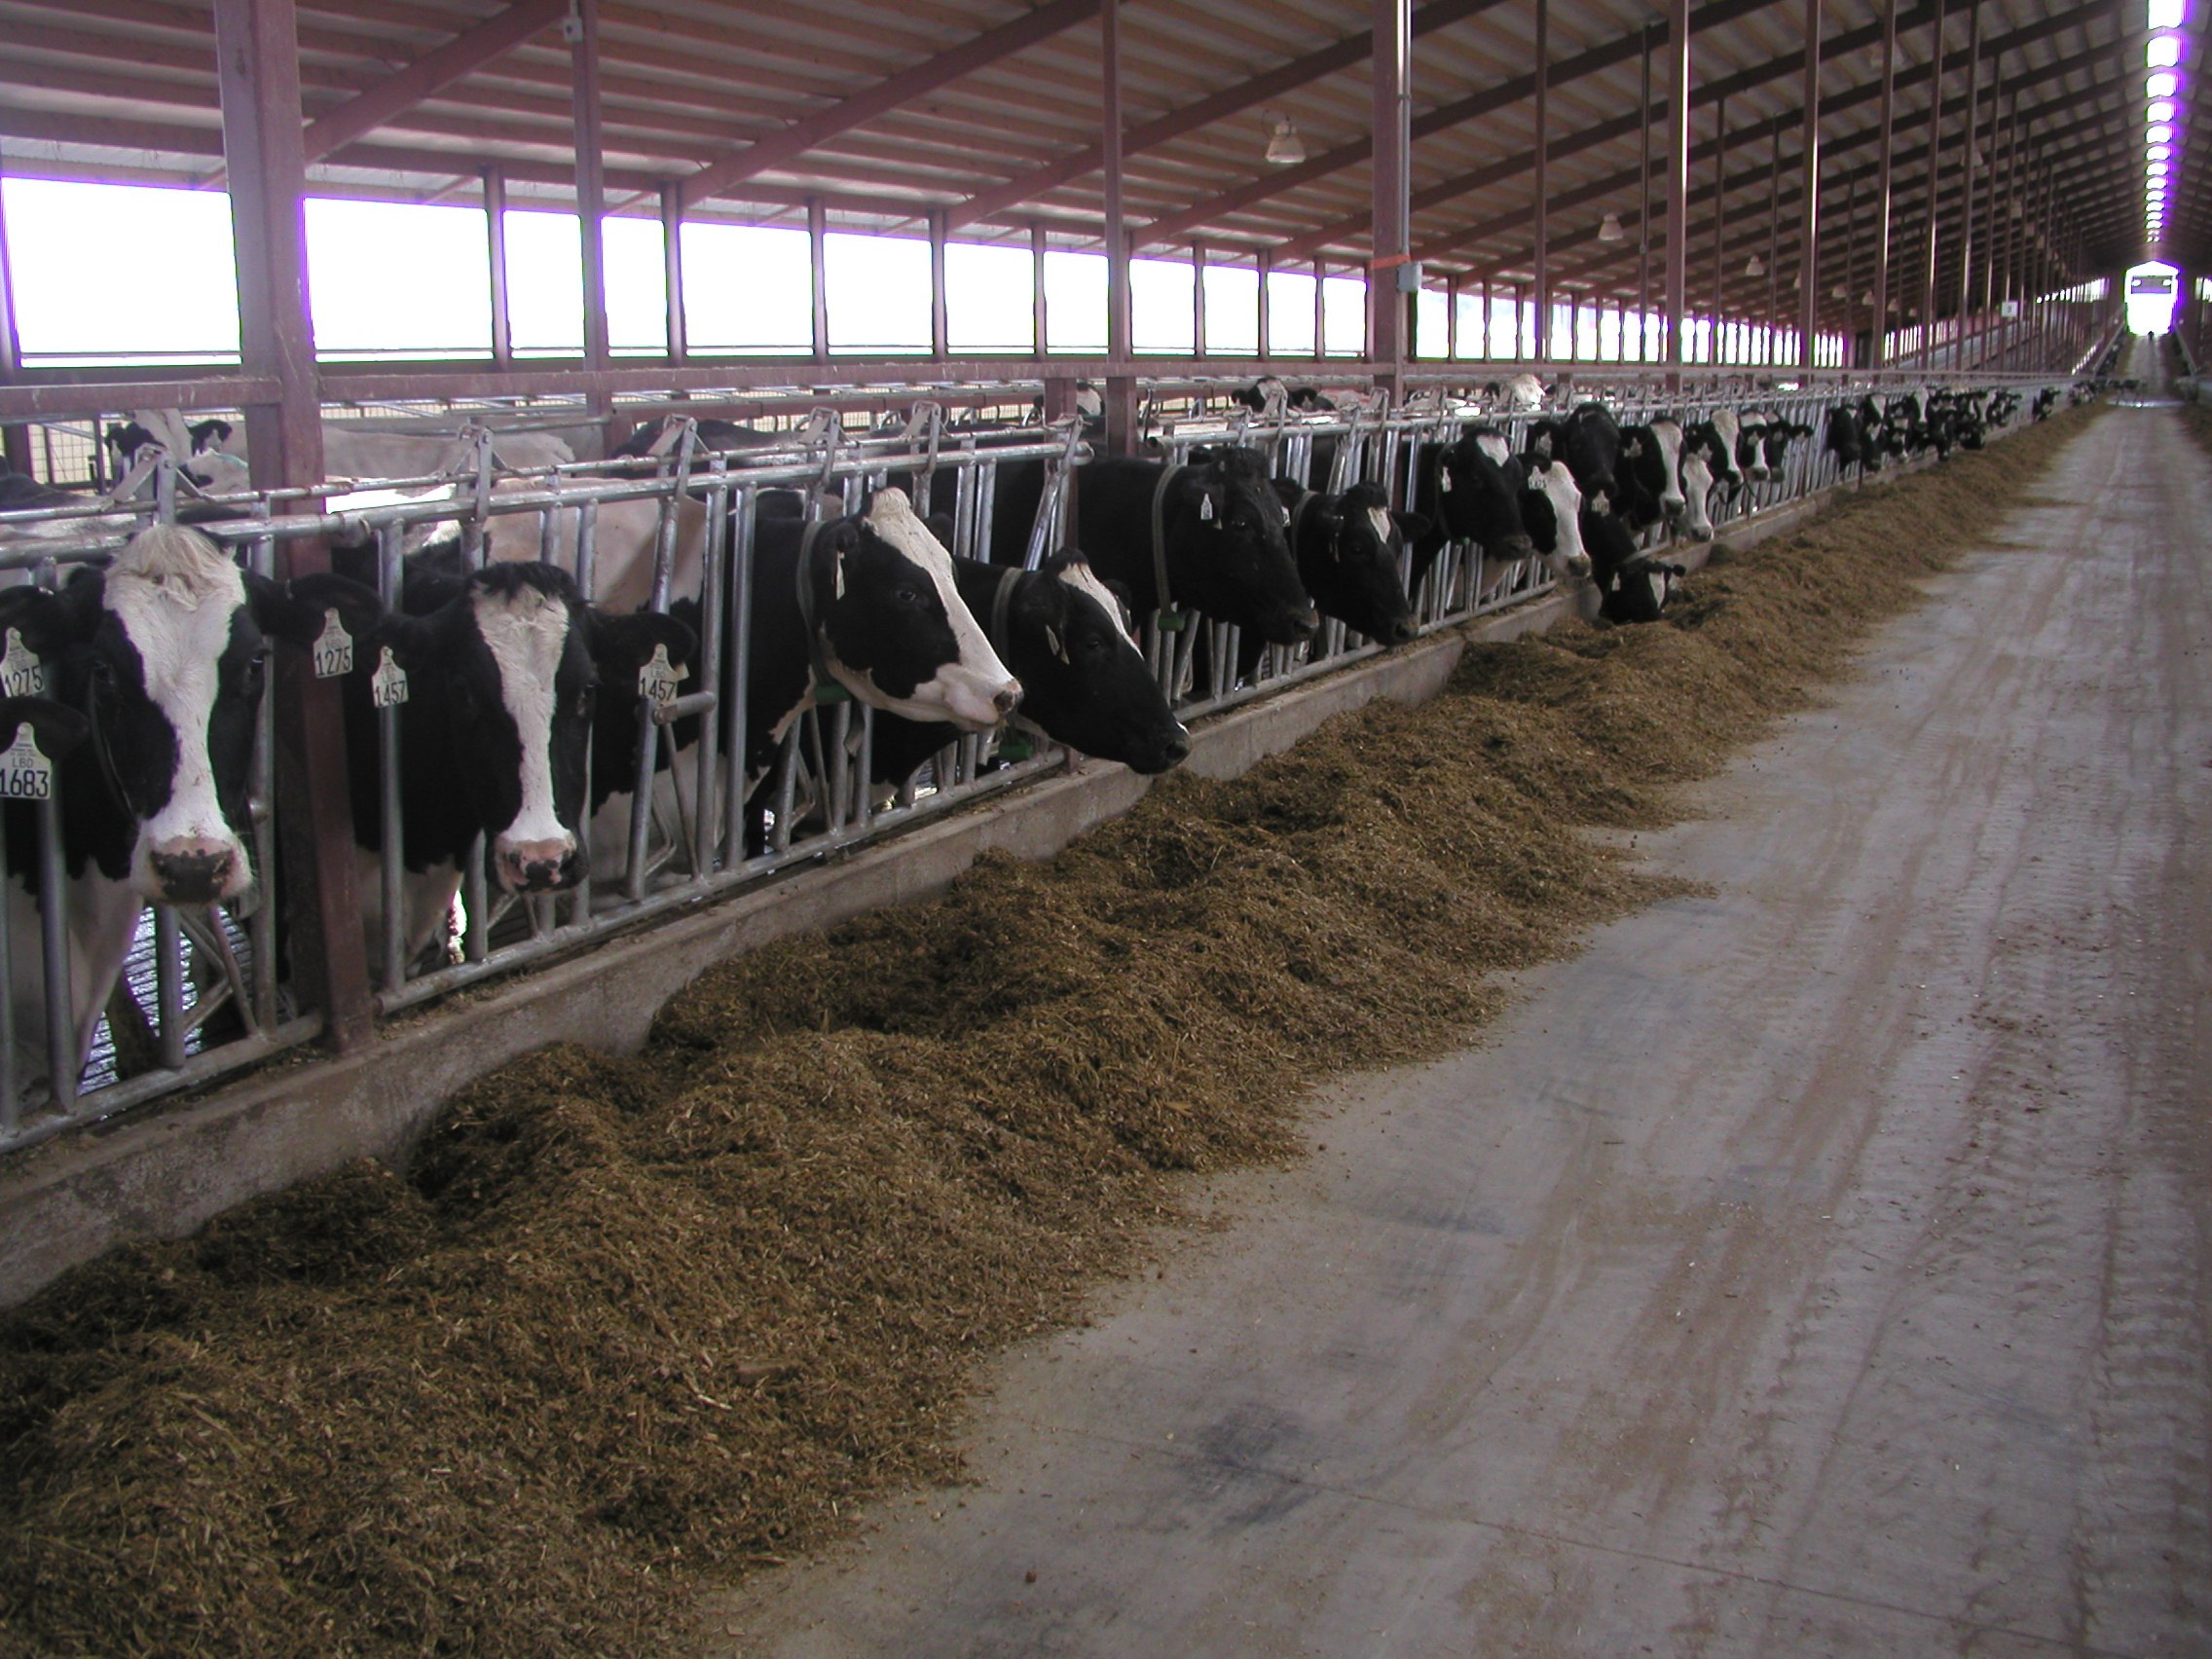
x=1520, y=547
x=537, y=866
x=196, y=870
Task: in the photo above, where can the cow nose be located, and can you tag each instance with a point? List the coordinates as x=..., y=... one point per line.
x=1304, y=624
x=1178, y=745
x=1400, y=632
x=1519, y=546
x=1009, y=699
x=537, y=866
x=192, y=872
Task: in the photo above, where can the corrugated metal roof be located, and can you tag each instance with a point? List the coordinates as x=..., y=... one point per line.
x=126, y=90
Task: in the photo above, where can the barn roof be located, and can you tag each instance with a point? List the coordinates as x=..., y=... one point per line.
x=989, y=112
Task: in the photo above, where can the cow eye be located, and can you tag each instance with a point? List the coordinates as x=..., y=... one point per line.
x=587, y=699
x=256, y=672
x=912, y=598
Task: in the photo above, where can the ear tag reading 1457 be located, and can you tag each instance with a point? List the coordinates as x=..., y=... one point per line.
x=333, y=648
x=388, y=685
x=22, y=672
x=658, y=679
x=25, y=773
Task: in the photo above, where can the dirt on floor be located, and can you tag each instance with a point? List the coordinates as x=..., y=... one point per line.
x=628, y=1325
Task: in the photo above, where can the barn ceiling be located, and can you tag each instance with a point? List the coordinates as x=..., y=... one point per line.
x=989, y=112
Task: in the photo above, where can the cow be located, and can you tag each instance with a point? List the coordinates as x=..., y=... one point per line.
x=1209, y=536
x=1519, y=394
x=1589, y=441
x=1085, y=683
x=1347, y=548
x=1469, y=491
x=1844, y=437
x=1775, y=441
x=1713, y=441
x=1632, y=586
x=1551, y=508
x=2046, y=400
x=508, y=673
x=1698, y=482
x=1750, y=448
x=1648, y=475
x=215, y=455
x=164, y=652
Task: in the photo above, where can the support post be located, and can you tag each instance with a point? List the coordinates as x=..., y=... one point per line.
x=1809, y=234
x=941, y=323
x=495, y=242
x=1643, y=199
x=1678, y=186
x=1266, y=270
x=1935, y=181
x=1121, y=386
x=1451, y=317
x=1390, y=115
x=1774, y=243
x=1320, y=311
x=1543, y=271
x=818, y=270
x=1969, y=167
x=1719, y=222
x=257, y=76
x=672, y=270
x=1039, y=334
x=590, y=186
x=1879, y=358
x=14, y=441
x=1198, y=298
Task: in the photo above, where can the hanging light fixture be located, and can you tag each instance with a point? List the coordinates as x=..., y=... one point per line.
x=1610, y=229
x=1285, y=149
x=1755, y=267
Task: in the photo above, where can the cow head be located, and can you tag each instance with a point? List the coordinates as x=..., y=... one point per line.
x=1651, y=484
x=197, y=449
x=1750, y=448
x=1228, y=550
x=515, y=662
x=1478, y=493
x=1845, y=437
x=1551, y=507
x=1775, y=442
x=1086, y=683
x=1349, y=549
x=1715, y=442
x=164, y=653
x=889, y=623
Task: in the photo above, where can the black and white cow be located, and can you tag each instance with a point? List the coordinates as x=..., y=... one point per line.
x=1844, y=437
x=1085, y=683
x=1589, y=441
x=1649, y=474
x=1469, y=491
x=1349, y=547
x=510, y=674
x=1214, y=529
x=1700, y=455
x=164, y=654
x=1551, y=507
x=1632, y=585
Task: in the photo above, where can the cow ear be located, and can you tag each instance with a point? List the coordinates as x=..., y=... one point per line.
x=622, y=644
x=1412, y=526
x=1288, y=489
x=47, y=621
x=58, y=727
x=296, y=612
x=939, y=525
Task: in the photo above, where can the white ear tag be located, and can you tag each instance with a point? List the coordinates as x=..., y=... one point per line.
x=1443, y=481
x=333, y=648
x=1205, y=509
x=388, y=685
x=22, y=672
x=1055, y=645
x=658, y=680
x=837, y=573
x=25, y=773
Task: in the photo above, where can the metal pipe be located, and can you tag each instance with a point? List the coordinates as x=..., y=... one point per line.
x=816, y=229
x=591, y=187
x=672, y=270
x=495, y=245
x=1040, y=336
x=1968, y=163
x=1542, y=272
x=1644, y=196
x=1198, y=298
x=1677, y=183
x=1927, y=341
x=1809, y=232
x=1879, y=358
x=941, y=326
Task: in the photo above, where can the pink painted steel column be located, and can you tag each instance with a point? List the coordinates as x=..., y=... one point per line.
x=590, y=186
x=1039, y=334
x=1878, y=357
x=258, y=78
x=14, y=441
x=672, y=270
x=1391, y=114
x=940, y=318
x=1935, y=181
x=1121, y=386
x=495, y=245
x=1809, y=234
x=816, y=229
x=1677, y=183
x=1542, y=263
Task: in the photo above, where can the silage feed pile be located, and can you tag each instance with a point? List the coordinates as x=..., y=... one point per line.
x=628, y=1327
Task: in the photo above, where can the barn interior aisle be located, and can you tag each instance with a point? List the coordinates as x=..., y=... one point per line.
x=1817, y=1265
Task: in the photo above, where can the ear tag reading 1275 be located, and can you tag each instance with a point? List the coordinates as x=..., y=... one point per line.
x=658, y=680
x=25, y=773
x=388, y=686
x=333, y=648
x=22, y=672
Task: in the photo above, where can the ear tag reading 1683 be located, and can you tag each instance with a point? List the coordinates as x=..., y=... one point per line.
x=388, y=685
x=658, y=679
x=22, y=672
x=333, y=648
x=25, y=773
